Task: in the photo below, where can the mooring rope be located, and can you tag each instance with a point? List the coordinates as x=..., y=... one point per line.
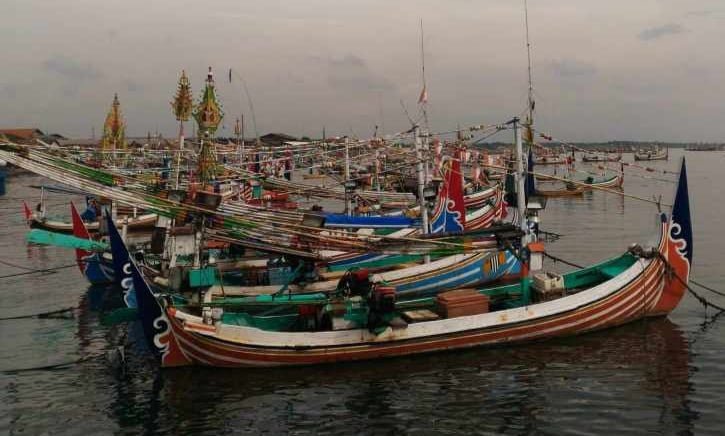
x=670, y=270
x=707, y=288
x=14, y=265
x=36, y=271
x=558, y=259
x=41, y=314
x=53, y=365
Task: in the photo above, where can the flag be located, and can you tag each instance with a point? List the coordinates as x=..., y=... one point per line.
x=423, y=96
x=27, y=212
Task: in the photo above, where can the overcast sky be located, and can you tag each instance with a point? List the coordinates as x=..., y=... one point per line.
x=603, y=70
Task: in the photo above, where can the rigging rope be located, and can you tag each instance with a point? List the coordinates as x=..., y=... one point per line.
x=558, y=259
x=670, y=270
x=35, y=271
x=41, y=314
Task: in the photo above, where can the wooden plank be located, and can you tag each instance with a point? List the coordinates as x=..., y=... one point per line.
x=419, y=315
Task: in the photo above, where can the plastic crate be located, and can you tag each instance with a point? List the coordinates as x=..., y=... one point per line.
x=199, y=278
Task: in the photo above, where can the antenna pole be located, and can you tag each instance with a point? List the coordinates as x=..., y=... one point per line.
x=520, y=179
x=424, y=101
x=421, y=181
x=249, y=99
x=528, y=55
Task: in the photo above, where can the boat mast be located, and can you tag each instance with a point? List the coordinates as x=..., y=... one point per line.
x=423, y=101
x=530, y=101
x=242, y=132
x=348, y=200
x=520, y=180
x=421, y=180
x=240, y=145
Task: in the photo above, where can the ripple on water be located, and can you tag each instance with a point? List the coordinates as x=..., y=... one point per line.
x=655, y=377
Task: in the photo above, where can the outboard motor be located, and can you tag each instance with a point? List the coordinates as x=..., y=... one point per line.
x=355, y=282
x=383, y=299
x=382, y=305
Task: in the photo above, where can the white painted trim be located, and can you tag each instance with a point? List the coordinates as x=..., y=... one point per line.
x=253, y=336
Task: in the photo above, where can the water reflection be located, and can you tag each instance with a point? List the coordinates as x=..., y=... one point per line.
x=633, y=379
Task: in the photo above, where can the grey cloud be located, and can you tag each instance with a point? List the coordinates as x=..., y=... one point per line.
x=573, y=68
x=702, y=13
x=71, y=69
x=132, y=85
x=9, y=91
x=349, y=60
x=660, y=31
x=352, y=73
x=70, y=89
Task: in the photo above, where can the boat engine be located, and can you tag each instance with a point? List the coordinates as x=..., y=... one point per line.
x=355, y=282
x=381, y=304
x=382, y=299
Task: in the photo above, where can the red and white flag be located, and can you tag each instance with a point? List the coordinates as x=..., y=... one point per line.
x=423, y=96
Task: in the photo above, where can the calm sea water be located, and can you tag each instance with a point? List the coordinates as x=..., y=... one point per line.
x=661, y=376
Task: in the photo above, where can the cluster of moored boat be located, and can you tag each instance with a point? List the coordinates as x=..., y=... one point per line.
x=227, y=258
x=233, y=271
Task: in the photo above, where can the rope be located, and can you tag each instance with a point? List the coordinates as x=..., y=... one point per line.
x=705, y=302
x=714, y=291
x=40, y=315
x=670, y=270
x=698, y=297
x=39, y=271
x=558, y=259
x=6, y=263
x=51, y=366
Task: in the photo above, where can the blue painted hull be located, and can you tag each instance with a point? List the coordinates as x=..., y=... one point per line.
x=97, y=270
x=485, y=269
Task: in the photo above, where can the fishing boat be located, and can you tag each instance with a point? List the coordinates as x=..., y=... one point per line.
x=96, y=266
x=139, y=223
x=571, y=190
x=615, y=181
x=549, y=160
x=601, y=158
x=640, y=283
x=575, y=189
x=652, y=154
x=705, y=147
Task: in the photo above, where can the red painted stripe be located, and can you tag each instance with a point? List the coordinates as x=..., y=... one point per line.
x=633, y=301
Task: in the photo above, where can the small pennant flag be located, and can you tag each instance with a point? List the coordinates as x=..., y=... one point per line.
x=423, y=96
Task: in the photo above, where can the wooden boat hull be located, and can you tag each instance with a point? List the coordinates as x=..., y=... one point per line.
x=614, y=182
x=563, y=192
x=140, y=223
x=650, y=156
x=97, y=269
x=601, y=159
x=552, y=161
x=652, y=284
x=644, y=292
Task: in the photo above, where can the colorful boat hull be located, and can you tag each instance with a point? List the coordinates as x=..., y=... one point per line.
x=652, y=286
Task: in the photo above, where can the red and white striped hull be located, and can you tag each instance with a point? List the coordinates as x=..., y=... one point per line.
x=485, y=216
x=643, y=290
